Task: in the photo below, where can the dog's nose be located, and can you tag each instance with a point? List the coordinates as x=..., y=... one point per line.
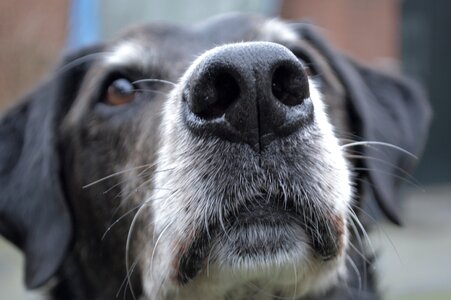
x=251, y=93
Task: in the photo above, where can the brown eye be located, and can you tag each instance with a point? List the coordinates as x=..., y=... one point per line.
x=120, y=92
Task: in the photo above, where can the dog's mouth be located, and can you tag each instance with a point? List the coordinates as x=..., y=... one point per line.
x=263, y=232
x=262, y=228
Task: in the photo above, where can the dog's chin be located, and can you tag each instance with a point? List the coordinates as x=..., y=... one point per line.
x=264, y=249
x=256, y=250
x=270, y=260
x=261, y=237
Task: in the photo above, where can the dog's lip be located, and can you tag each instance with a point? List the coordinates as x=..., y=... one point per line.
x=262, y=229
x=281, y=224
x=263, y=212
x=266, y=211
x=262, y=240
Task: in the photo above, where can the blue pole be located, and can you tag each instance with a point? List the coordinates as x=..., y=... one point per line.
x=84, y=25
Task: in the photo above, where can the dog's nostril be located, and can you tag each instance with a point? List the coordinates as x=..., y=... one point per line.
x=211, y=97
x=290, y=85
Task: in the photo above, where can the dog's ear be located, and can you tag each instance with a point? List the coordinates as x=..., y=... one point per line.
x=385, y=109
x=33, y=212
x=394, y=111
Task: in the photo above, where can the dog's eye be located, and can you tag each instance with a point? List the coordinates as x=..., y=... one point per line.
x=120, y=92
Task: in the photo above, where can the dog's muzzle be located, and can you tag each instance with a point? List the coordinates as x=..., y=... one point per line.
x=250, y=93
x=249, y=175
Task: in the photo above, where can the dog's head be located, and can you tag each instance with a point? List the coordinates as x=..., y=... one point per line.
x=210, y=161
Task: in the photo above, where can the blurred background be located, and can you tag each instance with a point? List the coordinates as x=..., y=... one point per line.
x=410, y=36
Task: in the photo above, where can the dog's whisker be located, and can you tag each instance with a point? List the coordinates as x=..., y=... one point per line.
x=116, y=174
x=357, y=234
x=118, y=220
x=408, y=181
x=125, y=197
x=160, y=285
x=122, y=194
x=356, y=270
x=405, y=176
x=361, y=248
x=371, y=143
x=80, y=60
x=362, y=229
x=128, y=244
x=348, y=137
x=355, y=221
x=121, y=205
x=156, y=244
x=124, y=283
x=401, y=170
x=163, y=278
x=384, y=232
x=114, y=186
x=122, y=217
x=360, y=253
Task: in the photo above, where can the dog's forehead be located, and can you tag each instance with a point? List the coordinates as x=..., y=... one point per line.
x=157, y=43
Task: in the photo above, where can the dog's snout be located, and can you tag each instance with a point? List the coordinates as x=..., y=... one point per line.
x=251, y=93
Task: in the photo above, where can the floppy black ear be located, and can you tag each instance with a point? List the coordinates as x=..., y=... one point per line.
x=33, y=211
x=383, y=108
x=392, y=110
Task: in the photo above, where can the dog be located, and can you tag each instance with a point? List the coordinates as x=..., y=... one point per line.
x=234, y=159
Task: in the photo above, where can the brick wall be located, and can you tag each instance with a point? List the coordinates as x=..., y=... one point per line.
x=366, y=29
x=32, y=35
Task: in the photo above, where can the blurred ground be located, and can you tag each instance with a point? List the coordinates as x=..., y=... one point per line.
x=416, y=259
x=414, y=263
x=11, y=275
